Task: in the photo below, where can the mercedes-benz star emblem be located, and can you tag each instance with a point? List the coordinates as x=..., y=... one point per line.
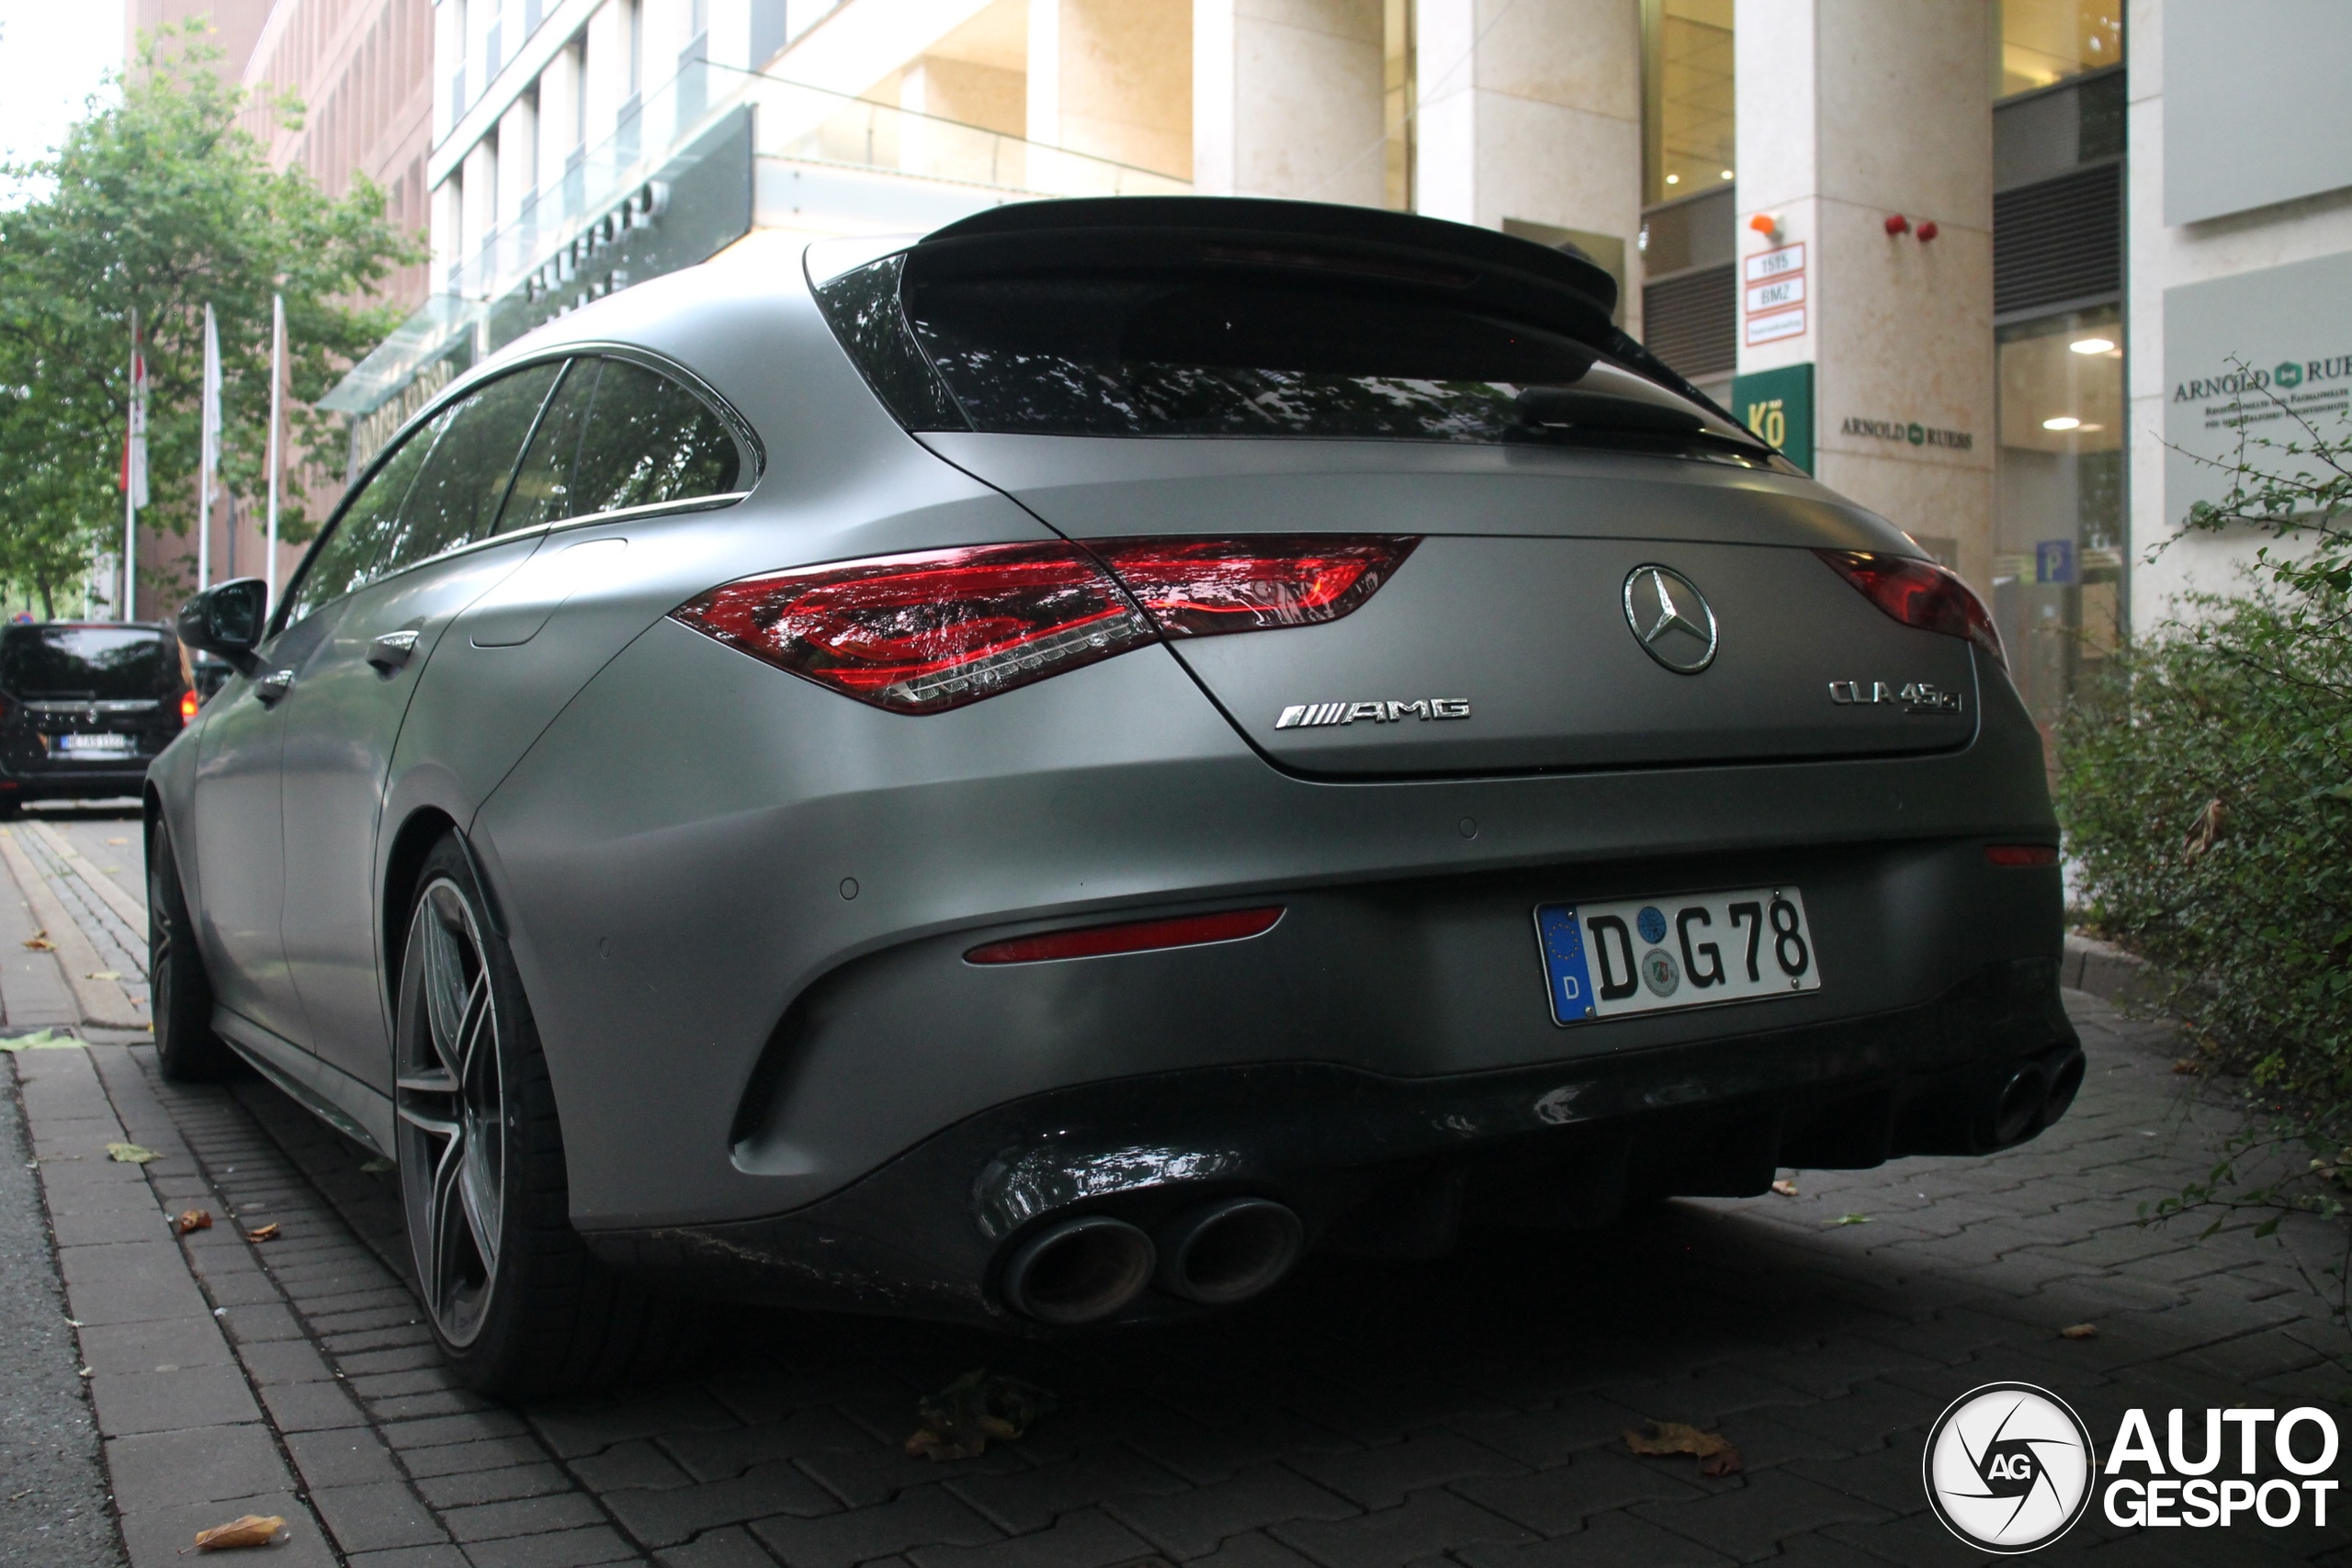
x=1670, y=618
x=2010, y=1468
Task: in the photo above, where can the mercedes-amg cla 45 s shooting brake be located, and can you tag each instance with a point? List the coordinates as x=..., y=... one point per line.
x=1038, y=774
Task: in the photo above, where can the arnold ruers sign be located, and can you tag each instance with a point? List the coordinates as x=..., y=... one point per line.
x=1908, y=430
x=2247, y=359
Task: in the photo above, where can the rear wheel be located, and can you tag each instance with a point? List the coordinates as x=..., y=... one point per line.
x=518, y=1305
x=180, y=993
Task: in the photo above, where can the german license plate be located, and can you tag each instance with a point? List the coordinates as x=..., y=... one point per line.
x=1659, y=955
x=94, y=745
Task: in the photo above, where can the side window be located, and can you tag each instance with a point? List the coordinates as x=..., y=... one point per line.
x=649, y=440
x=542, y=491
x=345, y=559
x=458, y=493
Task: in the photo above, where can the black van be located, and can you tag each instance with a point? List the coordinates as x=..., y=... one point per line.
x=84, y=706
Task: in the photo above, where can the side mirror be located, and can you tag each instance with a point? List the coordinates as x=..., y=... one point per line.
x=226, y=619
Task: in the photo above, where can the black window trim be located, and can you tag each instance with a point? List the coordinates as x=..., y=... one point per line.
x=751, y=452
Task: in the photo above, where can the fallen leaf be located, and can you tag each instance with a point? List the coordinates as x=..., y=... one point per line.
x=374, y=1166
x=42, y=1039
x=958, y=1421
x=128, y=1154
x=2211, y=826
x=1715, y=1454
x=1785, y=1188
x=193, y=1220
x=253, y=1529
x=104, y=975
x=1851, y=1220
x=263, y=1232
x=118, y=841
x=2079, y=1331
x=2187, y=1064
x=41, y=942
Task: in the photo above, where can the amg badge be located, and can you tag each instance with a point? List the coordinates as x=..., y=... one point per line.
x=1313, y=716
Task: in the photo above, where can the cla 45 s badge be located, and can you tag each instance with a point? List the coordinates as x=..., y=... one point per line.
x=1313, y=716
x=1913, y=696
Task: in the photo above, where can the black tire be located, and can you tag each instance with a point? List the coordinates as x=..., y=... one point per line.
x=10, y=808
x=540, y=1314
x=186, y=1051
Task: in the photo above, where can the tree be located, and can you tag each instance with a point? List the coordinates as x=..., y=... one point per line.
x=160, y=203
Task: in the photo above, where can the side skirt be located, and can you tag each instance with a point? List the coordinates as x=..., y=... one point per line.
x=333, y=1096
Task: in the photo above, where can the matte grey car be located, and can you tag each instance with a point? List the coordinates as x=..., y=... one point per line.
x=1035, y=776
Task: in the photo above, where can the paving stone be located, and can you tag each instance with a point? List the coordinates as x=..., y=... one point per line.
x=713, y=1454
x=1087, y=1539
x=158, y=1469
x=732, y=1547
x=457, y=1459
x=1190, y=1524
x=1554, y=1501
x=924, y=1516
x=1612, y=1540
x=159, y=1400
x=375, y=1516
x=284, y=1361
x=581, y=1548
x=311, y=1406
x=1425, y=1523
x=1750, y=1520
x=167, y=1534
x=440, y=1555
x=493, y=1486
x=151, y=1346
x=1023, y=1500
x=129, y=1281
x=523, y=1515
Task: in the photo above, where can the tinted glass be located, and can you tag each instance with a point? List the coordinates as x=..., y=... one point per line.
x=346, y=558
x=99, y=663
x=542, y=491
x=649, y=440
x=1179, y=355
x=476, y=441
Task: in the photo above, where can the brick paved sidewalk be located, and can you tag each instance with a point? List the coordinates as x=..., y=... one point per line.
x=1367, y=1415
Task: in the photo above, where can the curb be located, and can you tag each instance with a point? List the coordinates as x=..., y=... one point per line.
x=2110, y=973
x=102, y=1003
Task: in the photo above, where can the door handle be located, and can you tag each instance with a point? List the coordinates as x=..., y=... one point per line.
x=272, y=688
x=392, y=649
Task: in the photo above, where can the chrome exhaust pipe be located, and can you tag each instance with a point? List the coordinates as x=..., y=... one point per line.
x=1222, y=1253
x=2065, y=1084
x=1079, y=1271
x=2017, y=1112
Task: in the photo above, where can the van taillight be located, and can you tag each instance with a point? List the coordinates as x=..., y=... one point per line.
x=1919, y=593
x=190, y=702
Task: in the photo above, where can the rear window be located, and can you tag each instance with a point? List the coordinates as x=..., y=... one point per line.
x=1258, y=354
x=95, y=662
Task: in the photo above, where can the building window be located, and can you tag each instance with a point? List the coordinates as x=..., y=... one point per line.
x=1688, y=132
x=2046, y=41
x=1397, y=101
x=2058, y=556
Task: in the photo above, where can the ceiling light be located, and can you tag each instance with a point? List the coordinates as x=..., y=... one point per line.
x=2092, y=345
x=1726, y=173
x=2064, y=421
x=1673, y=179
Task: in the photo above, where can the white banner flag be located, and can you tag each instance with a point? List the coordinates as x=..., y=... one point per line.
x=208, y=464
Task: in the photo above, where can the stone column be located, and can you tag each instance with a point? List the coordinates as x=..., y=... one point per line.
x=1114, y=79
x=1286, y=99
x=1853, y=114
x=1531, y=110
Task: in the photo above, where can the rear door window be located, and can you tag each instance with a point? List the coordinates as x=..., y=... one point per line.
x=345, y=559
x=96, y=663
x=542, y=491
x=648, y=440
x=476, y=442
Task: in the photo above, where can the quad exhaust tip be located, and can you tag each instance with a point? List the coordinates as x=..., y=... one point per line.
x=1080, y=1270
x=1222, y=1253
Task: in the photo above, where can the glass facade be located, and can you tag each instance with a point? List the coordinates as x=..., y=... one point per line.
x=1688, y=140
x=2046, y=41
x=2058, y=561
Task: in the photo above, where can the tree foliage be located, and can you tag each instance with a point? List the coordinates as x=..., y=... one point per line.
x=160, y=202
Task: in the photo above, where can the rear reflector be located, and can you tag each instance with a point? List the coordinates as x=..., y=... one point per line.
x=2021, y=854
x=1136, y=936
x=1204, y=587
x=1919, y=593
x=925, y=632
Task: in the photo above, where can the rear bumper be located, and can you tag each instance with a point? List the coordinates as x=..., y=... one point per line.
x=121, y=780
x=1374, y=1162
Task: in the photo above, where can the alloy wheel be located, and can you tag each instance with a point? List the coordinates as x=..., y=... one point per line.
x=451, y=1100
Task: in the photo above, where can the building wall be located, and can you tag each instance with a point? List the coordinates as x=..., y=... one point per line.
x=235, y=23
x=2168, y=256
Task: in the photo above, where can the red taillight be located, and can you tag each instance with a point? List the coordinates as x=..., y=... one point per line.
x=1204, y=587
x=1919, y=594
x=1136, y=936
x=2021, y=854
x=925, y=632
x=190, y=702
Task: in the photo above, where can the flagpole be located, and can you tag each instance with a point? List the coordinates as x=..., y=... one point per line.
x=208, y=452
x=130, y=481
x=277, y=391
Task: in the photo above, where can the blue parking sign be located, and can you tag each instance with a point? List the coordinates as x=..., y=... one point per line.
x=2054, y=561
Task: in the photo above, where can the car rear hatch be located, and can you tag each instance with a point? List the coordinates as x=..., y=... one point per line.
x=86, y=697
x=1537, y=547
x=1511, y=635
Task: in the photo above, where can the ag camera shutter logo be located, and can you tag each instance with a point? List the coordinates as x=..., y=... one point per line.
x=2010, y=1468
